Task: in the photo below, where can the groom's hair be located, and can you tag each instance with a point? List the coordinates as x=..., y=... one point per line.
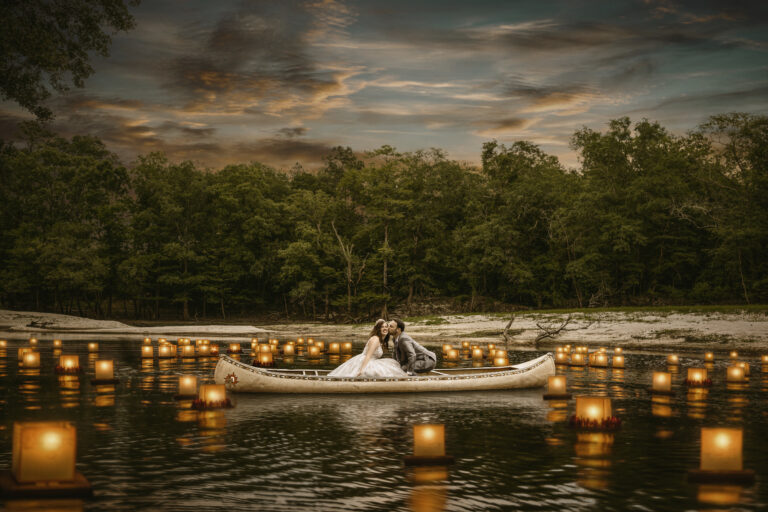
x=400, y=324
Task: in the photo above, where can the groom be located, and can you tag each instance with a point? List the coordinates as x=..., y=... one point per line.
x=411, y=356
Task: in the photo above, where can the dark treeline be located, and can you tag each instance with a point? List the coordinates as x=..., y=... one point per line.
x=649, y=218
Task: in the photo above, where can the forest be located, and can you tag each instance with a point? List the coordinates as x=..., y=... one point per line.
x=648, y=218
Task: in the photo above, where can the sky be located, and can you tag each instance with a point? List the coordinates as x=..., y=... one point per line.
x=283, y=82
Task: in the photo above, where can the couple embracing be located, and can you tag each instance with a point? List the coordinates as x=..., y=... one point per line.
x=409, y=356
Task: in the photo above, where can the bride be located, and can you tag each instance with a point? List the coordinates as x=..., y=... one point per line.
x=369, y=363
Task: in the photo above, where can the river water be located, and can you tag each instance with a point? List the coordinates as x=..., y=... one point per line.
x=143, y=450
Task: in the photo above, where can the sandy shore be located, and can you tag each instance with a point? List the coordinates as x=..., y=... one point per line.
x=747, y=332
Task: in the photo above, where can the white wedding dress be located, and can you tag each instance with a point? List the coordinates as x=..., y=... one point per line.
x=376, y=367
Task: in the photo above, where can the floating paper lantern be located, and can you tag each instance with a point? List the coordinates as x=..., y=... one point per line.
x=212, y=395
x=578, y=359
x=346, y=348
x=673, y=360
x=234, y=348
x=334, y=348
x=491, y=346
x=744, y=366
x=600, y=360
x=57, y=344
x=320, y=345
x=188, y=351
x=429, y=440
x=734, y=354
x=23, y=350
x=69, y=364
x=254, y=345
x=735, y=373
x=662, y=382
x=465, y=345
x=618, y=350
x=33, y=342
x=265, y=347
x=187, y=386
x=104, y=370
x=214, y=349
x=721, y=449
x=31, y=360
x=265, y=359
x=147, y=341
x=561, y=358
x=697, y=377
x=165, y=352
x=594, y=412
x=313, y=352
x=43, y=452
x=763, y=358
x=709, y=357
x=162, y=341
x=559, y=349
x=602, y=349
x=3, y=343
x=300, y=341
x=288, y=350
x=310, y=340
x=618, y=361
x=147, y=352
x=446, y=348
x=93, y=347
x=254, y=341
x=452, y=355
x=499, y=358
x=477, y=354
x=204, y=350
x=556, y=388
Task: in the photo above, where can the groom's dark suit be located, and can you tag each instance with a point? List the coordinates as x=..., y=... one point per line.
x=412, y=356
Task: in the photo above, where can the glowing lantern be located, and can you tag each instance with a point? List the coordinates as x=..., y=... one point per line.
x=556, y=387
x=696, y=376
x=69, y=363
x=320, y=345
x=254, y=345
x=763, y=358
x=346, y=348
x=499, y=358
x=56, y=343
x=593, y=409
x=709, y=357
x=24, y=350
x=735, y=373
x=464, y=345
x=212, y=395
x=234, y=348
x=147, y=341
x=602, y=349
x=477, y=354
x=93, y=347
x=31, y=359
x=265, y=359
x=188, y=351
x=618, y=350
x=673, y=360
x=561, y=358
x=744, y=366
x=204, y=350
x=43, y=452
x=310, y=340
x=429, y=440
x=3, y=343
x=600, y=360
x=734, y=354
x=288, y=350
x=187, y=386
x=105, y=370
x=164, y=352
x=662, y=382
x=265, y=347
x=618, y=361
x=491, y=346
x=300, y=341
x=214, y=349
x=334, y=348
x=578, y=359
x=254, y=341
x=274, y=341
x=33, y=342
x=452, y=355
x=446, y=348
x=147, y=352
x=721, y=449
x=162, y=341
x=313, y=352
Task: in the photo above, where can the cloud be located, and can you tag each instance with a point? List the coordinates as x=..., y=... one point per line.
x=291, y=133
x=511, y=126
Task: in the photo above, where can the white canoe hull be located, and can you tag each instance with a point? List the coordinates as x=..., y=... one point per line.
x=240, y=377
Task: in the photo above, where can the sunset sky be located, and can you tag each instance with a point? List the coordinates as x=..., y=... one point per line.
x=282, y=82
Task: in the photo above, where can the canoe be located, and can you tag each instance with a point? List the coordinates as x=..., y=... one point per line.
x=241, y=377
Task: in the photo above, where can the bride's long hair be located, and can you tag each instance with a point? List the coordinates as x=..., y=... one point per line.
x=376, y=331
